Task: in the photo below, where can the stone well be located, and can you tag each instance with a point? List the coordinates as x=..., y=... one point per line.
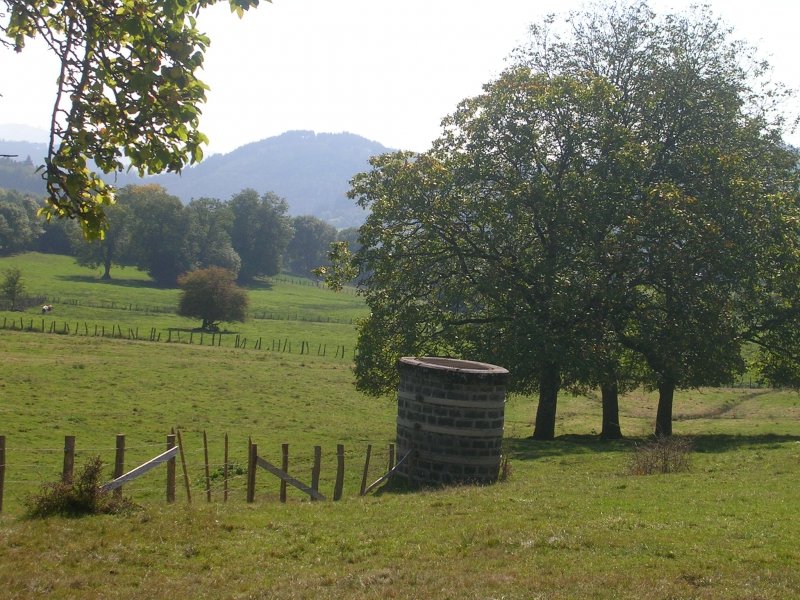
x=450, y=415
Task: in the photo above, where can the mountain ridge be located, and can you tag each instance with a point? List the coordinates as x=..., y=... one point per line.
x=310, y=170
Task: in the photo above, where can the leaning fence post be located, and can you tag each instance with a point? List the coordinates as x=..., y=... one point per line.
x=119, y=462
x=208, y=474
x=2, y=468
x=183, y=466
x=251, y=473
x=171, y=470
x=69, y=458
x=366, y=471
x=284, y=468
x=315, y=470
x=337, y=490
x=225, y=472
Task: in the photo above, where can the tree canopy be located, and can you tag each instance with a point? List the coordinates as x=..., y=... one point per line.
x=308, y=248
x=211, y=294
x=260, y=233
x=616, y=208
x=127, y=94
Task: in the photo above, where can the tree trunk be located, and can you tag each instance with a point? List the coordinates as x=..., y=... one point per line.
x=666, y=391
x=106, y=268
x=549, y=384
x=611, y=429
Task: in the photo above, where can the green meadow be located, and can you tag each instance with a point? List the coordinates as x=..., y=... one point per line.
x=569, y=522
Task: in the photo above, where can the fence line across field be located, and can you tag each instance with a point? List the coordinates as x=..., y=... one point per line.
x=175, y=452
x=181, y=336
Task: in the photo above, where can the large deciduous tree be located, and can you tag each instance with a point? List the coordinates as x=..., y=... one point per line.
x=12, y=287
x=113, y=247
x=607, y=212
x=208, y=239
x=308, y=248
x=261, y=231
x=709, y=200
x=211, y=294
x=156, y=233
x=127, y=94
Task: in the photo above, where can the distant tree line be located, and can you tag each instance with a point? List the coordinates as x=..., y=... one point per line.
x=250, y=235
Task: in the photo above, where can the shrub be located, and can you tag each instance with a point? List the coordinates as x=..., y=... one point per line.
x=662, y=455
x=78, y=497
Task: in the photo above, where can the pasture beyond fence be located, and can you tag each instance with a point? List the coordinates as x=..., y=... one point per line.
x=180, y=336
x=219, y=479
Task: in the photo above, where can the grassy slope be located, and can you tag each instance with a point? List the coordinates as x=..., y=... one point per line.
x=570, y=523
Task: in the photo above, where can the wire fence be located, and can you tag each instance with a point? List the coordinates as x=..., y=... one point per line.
x=179, y=336
x=211, y=473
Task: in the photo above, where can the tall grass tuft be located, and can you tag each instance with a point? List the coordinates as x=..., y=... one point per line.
x=78, y=497
x=662, y=455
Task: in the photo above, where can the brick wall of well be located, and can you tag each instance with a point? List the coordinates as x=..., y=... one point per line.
x=450, y=415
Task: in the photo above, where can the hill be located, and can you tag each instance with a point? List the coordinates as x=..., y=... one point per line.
x=310, y=170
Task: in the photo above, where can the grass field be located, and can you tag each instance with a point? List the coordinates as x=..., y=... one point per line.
x=570, y=522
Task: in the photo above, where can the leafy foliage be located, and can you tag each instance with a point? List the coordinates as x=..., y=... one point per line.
x=211, y=294
x=616, y=208
x=309, y=245
x=19, y=226
x=127, y=93
x=79, y=497
x=12, y=287
x=156, y=230
x=261, y=231
x=208, y=238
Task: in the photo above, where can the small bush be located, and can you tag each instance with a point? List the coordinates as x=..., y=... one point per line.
x=662, y=455
x=76, y=498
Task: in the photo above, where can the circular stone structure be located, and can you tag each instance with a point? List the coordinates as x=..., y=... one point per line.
x=450, y=416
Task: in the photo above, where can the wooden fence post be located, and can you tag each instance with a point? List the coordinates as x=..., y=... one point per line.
x=225, y=472
x=251, y=473
x=69, y=458
x=208, y=474
x=337, y=490
x=119, y=462
x=284, y=468
x=2, y=468
x=171, y=470
x=315, y=470
x=183, y=466
x=391, y=457
x=366, y=471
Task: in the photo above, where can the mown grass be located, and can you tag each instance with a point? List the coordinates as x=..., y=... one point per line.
x=571, y=522
x=65, y=283
x=287, y=313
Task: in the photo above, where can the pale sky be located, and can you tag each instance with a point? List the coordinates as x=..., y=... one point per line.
x=388, y=71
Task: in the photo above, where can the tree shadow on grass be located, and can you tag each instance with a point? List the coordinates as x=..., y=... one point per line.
x=531, y=449
x=258, y=284
x=134, y=283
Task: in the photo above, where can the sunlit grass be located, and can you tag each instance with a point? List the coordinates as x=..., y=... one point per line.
x=571, y=522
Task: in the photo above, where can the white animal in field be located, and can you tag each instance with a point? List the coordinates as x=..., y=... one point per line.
x=47, y=308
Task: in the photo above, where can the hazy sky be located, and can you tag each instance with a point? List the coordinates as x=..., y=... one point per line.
x=388, y=71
